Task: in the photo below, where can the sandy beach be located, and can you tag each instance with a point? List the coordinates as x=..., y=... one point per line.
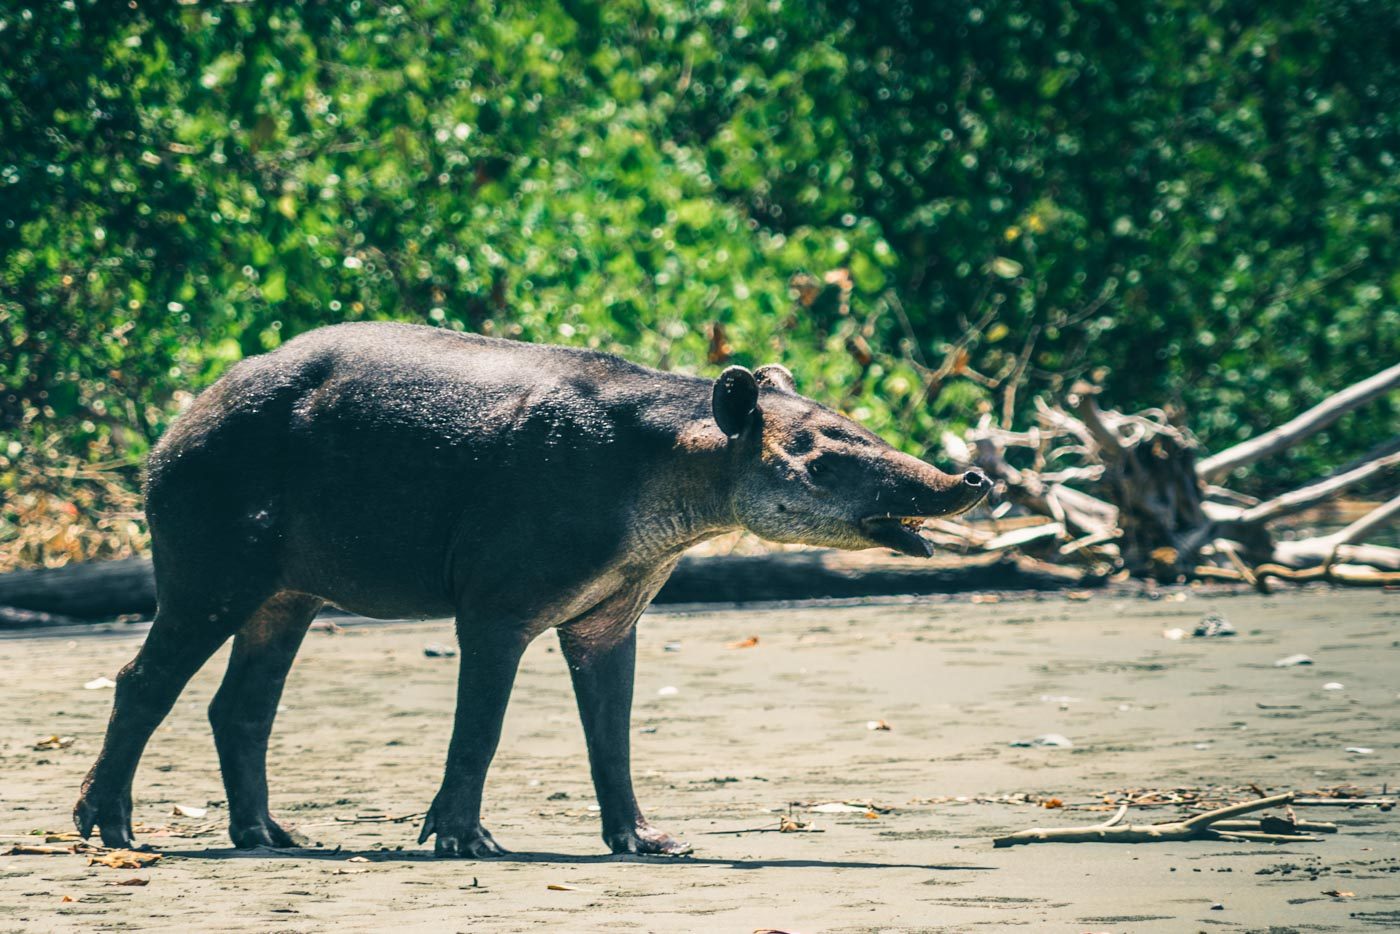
x=729, y=737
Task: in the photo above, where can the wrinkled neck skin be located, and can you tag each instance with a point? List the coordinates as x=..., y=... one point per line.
x=687, y=496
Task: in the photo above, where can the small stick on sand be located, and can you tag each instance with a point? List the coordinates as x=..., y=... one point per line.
x=380, y=818
x=1200, y=827
x=1385, y=804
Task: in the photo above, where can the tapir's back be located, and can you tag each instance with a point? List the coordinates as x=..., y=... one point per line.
x=369, y=457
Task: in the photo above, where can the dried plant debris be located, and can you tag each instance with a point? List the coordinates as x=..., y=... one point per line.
x=124, y=859
x=1217, y=824
x=1203, y=798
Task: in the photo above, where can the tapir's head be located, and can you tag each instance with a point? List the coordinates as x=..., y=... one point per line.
x=805, y=474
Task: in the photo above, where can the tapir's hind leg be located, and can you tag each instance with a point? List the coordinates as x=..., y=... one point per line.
x=188, y=628
x=243, y=710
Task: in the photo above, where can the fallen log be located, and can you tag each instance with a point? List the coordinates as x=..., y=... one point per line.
x=85, y=591
x=106, y=590
x=799, y=575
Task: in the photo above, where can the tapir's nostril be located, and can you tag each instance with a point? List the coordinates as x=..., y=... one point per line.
x=975, y=478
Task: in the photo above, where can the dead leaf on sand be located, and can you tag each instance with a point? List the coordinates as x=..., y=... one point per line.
x=1052, y=803
x=1335, y=893
x=67, y=898
x=132, y=882
x=748, y=643
x=124, y=859
x=54, y=742
x=349, y=872
x=560, y=887
x=879, y=725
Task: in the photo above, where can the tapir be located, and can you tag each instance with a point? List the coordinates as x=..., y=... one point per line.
x=403, y=471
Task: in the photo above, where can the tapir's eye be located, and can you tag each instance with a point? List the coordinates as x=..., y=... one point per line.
x=820, y=466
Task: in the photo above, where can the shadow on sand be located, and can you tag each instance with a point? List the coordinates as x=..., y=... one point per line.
x=574, y=859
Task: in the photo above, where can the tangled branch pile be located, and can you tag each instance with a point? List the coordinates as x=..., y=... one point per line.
x=1138, y=491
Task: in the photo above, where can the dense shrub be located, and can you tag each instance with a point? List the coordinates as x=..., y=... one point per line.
x=1196, y=202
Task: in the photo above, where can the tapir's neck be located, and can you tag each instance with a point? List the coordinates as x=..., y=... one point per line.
x=687, y=495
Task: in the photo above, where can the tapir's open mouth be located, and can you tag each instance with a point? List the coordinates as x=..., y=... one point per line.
x=898, y=532
x=902, y=532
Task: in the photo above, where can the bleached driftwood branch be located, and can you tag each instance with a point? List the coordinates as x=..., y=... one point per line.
x=1344, y=545
x=1309, y=423
x=1212, y=825
x=1295, y=501
x=1116, y=485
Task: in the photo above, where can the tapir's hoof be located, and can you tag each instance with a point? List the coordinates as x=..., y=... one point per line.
x=479, y=845
x=470, y=842
x=112, y=816
x=264, y=832
x=646, y=840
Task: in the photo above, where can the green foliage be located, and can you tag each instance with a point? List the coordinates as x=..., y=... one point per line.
x=1196, y=201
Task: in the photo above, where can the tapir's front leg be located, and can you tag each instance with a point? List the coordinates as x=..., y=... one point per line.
x=603, y=664
x=489, y=660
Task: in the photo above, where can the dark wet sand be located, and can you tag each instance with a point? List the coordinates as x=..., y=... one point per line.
x=747, y=731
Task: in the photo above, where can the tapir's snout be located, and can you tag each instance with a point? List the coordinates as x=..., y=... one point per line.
x=918, y=492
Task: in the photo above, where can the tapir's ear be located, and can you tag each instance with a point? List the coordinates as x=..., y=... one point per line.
x=775, y=376
x=735, y=400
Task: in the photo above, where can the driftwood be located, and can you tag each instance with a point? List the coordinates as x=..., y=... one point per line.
x=1137, y=490
x=1343, y=545
x=1309, y=423
x=799, y=575
x=1211, y=825
x=95, y=590
x=1296, y=501
x=108, y=590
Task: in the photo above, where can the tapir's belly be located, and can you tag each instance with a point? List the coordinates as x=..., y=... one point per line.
x=414, y=534
x=382, y=569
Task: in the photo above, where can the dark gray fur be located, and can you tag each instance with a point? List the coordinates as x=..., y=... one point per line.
x=410, y=472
